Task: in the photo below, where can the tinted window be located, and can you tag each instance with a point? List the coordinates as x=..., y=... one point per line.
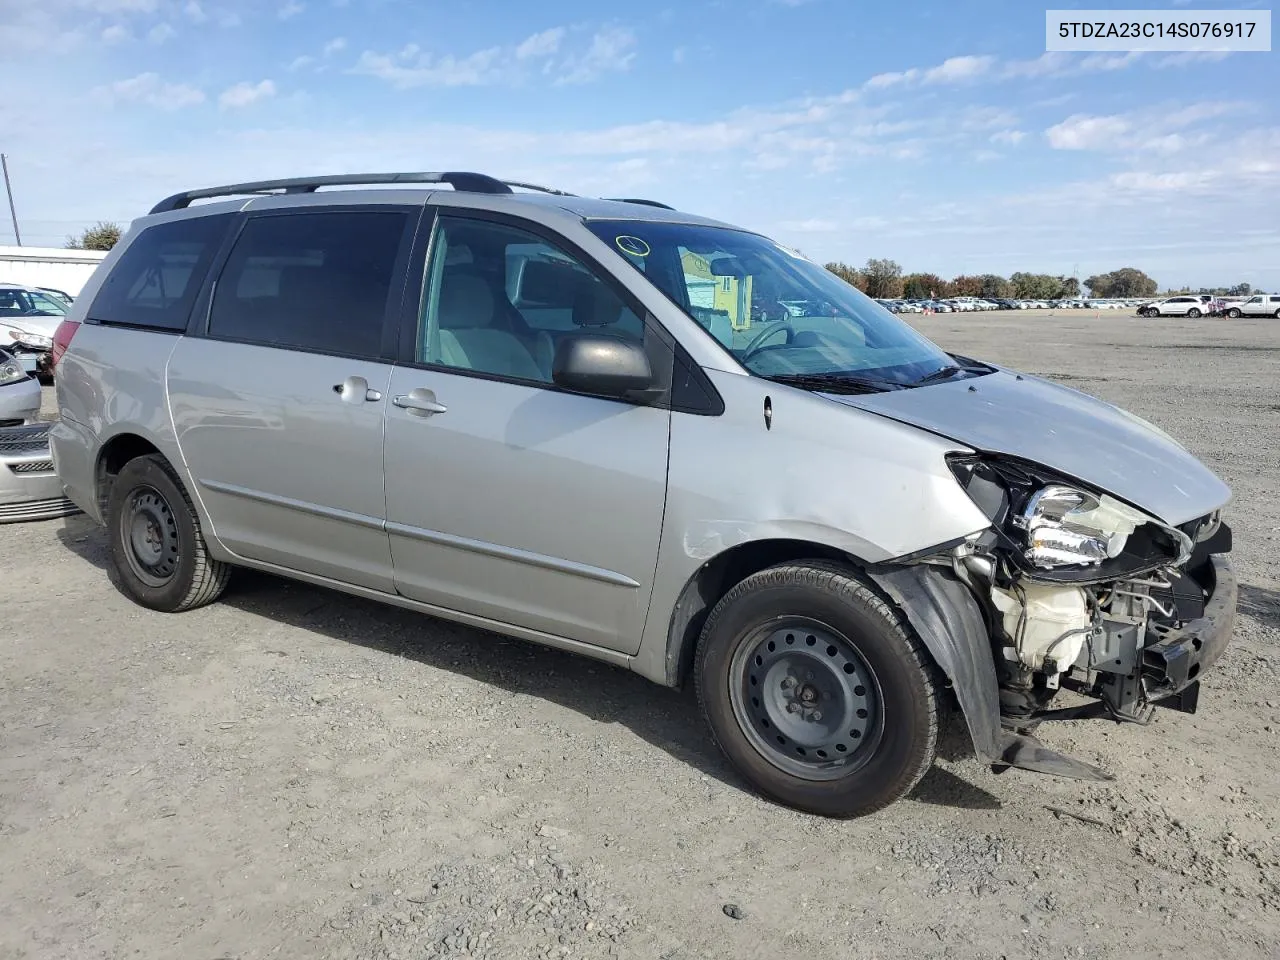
x=312, y=281
x=499, y=300
x=157, y=278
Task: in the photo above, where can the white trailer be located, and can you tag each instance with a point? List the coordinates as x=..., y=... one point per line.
x=65, y=270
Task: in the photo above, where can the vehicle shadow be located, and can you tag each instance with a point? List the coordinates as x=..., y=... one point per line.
x=1260, y=603
x=668, y=719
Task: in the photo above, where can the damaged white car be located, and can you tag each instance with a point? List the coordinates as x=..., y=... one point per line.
x=646, y=437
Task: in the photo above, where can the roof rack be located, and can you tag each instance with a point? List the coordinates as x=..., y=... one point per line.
x=540, y=189
x=647, y=203
x=470, y=182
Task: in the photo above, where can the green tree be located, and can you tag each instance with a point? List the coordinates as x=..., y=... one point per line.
x=995, y=286
x=850, y=275
x=1070, y=288
x=883, y=278
x=101, y=236
x=965, y=286
x=922, y=286
x=1240, y=290
x=1035, y=286
x=1125, y=282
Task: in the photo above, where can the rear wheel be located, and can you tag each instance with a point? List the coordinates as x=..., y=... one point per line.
x=816, y=691
x=1193, y=313
x=157, y=548
x=1234, y=314
x=1278, y=314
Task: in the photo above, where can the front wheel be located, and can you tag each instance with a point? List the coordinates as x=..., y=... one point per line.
x=1193, y=313
x=157, y=548
x=1233, y=313
x=816, y=691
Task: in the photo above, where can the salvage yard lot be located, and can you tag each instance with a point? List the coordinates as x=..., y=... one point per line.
x=294, y=773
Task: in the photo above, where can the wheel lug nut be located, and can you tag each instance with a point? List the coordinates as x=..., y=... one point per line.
x=792, y=708
x=817, y=715
x=788, y=683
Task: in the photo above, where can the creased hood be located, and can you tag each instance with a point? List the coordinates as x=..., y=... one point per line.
x=1064, y=430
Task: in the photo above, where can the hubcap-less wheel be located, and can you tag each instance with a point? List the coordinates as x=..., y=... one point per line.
x=1193, y=313
x=150, y=532
x=806, y=699
x=1233, y=314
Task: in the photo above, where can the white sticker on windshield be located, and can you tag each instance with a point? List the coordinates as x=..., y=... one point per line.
x=632, y=246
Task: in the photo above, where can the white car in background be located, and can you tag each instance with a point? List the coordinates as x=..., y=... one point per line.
x=28, y=318
x=1259, y=305
x=1185, y=306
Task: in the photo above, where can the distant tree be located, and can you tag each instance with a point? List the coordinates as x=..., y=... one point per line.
x=963, y=286
x=1125, y=282
x=1070, y=288
x=850, y=275
x=884, y=279
x=101, y=236
x=1240, y=290
x=994, y=286
x=921, y=286
x=1036, y=286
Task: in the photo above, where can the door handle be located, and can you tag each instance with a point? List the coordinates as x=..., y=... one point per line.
x=420, y=402
x=356, y=390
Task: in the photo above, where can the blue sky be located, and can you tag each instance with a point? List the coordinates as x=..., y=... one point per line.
x=939, y=134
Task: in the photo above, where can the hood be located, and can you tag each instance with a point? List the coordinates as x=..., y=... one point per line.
x=42, y=324
x=1065, y=430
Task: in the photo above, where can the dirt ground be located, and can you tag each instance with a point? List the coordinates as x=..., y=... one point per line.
x=293, y=773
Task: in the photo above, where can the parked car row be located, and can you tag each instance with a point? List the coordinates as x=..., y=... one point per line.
x=966, y=304
x=1205, y=305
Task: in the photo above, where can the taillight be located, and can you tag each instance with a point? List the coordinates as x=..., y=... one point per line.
x=62, y=339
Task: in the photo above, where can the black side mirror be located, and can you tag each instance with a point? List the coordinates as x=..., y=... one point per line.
x=601, y=364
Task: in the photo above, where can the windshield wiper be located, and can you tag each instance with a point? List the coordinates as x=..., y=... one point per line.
x=835, y=382
x=949, y=371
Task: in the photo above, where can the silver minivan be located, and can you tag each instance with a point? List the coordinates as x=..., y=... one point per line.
x=644, y=436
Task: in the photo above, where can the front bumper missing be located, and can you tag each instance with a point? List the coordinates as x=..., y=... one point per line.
x=1172, y=666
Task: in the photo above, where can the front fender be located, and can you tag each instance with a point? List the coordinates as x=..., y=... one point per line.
x=946, y=616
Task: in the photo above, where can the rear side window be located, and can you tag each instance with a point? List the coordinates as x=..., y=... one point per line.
x=310, y=281
x=156, y=280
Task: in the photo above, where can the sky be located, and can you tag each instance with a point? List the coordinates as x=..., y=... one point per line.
x=938, y=134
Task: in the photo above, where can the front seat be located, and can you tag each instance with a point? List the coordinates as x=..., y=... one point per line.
x=468, y=337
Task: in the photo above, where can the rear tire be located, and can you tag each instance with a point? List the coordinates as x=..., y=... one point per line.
x=157, y=549
x=1278, y=314
x=1234, y=314
x=1193, y=313
x=816, y=691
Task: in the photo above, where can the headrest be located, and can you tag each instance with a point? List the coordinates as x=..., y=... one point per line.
x=466, y=300
x=595, y=305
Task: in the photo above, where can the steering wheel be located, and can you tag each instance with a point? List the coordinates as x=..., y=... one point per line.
x=757, y=342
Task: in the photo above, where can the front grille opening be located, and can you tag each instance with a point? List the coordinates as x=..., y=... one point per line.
x=32, y=466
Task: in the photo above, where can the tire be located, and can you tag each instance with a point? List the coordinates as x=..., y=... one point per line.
x=157, y=549
x=793, y=640
x=1233, y=313
x=1277, y=314
x=1193, y=313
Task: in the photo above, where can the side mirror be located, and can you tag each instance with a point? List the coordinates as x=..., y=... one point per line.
x=599, y=364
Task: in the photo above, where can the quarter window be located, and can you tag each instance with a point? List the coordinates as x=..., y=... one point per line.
x=311, y=281
x=498, y=300
x=159, y=274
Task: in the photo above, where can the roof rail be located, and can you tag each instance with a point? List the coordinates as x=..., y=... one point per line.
x=540, y=189
x=470, y=182
x=647, y=203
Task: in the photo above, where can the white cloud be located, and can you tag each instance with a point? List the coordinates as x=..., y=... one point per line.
x=959, y=69
x=160, y=33
x=336, y=45
x=1189, y=58
x=882, y=80
x=611, y=49
x=299, y=63
x=195, y=12
x=243, y=94
x=543, y=44
x=1082, y=132
x=116, y=34
x=290, y=10
x=1011, y=137
x=149, y=89
x=411, y=69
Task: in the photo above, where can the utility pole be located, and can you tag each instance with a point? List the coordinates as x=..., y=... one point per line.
x=8, y=188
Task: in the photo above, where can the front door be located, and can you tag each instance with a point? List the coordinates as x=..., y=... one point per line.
x=279, y=409
x=508, y=498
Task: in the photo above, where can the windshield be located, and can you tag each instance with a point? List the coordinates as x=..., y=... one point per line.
x=29, y=303
x=782, y=316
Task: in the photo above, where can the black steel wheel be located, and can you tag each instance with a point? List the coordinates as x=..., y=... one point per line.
x=157, y=549
x=817, y=691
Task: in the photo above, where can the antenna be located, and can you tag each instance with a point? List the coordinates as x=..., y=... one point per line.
x=8, y=188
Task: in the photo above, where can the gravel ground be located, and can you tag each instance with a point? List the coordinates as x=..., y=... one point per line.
x=293, y=773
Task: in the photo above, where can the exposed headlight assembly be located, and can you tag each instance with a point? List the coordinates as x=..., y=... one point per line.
x=1053, y=530
x=35, y=341
x=11, y=370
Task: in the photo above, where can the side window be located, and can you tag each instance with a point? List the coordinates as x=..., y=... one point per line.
x=498, y=300
x=311, y=281
x=156, y=280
